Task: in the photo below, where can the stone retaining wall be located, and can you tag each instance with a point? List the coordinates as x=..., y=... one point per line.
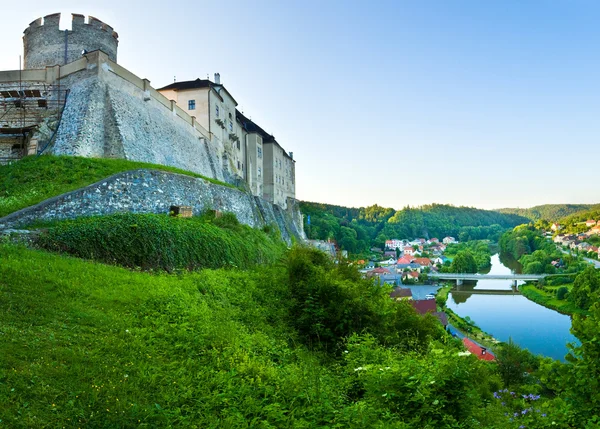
x=153, y=191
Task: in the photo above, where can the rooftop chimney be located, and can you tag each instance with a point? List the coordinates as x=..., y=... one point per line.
x=483, y=350
x=292, y=155
x=218, y=78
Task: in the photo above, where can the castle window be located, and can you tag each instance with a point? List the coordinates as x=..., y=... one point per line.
x=239, y=166
x=238, y=144
x=259, y=171
x=191, y=104
x=217, y=111
x=259, y=151
x=230, y=126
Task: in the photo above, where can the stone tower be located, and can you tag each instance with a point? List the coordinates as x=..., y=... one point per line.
x=46, y=45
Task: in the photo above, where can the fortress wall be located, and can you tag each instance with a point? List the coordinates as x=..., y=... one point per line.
x=112, y=113
x=152, y=191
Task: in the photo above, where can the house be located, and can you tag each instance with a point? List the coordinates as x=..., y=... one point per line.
x=405, y=260
x=376, y=250
x=378, y=271
x=390, y=261
x=424, y=306
x=559, y=239
x=594, y=231
x=400, y=293
x=583, y=246
x=408, y=250
x=589, y=223
x=440, y=260
x=370, y=265
x=448, y=240
x=411, y=275
x=391, y=253
x=424, y=262
x=390, y=279
x=433, y=240
x=477, y=350
x=556, y=227
x=394, y=244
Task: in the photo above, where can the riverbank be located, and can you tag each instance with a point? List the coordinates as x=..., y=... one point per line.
x=466, y=327
x=547, y=298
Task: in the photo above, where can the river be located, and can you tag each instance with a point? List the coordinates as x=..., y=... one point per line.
x=530, y=325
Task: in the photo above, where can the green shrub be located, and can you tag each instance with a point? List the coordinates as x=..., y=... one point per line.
x=561, y=292
x=148, y=241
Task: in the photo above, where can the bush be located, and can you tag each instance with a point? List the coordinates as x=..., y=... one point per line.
x=161, y=242
x=561, y=292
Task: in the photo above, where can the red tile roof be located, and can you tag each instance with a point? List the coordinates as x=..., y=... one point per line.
x=380, y=270
x=424, y=306
x=478, y=350
x=423, y=261
x=405, y=260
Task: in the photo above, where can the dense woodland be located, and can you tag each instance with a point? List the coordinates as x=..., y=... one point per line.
x=358, y=229
x=550, y=212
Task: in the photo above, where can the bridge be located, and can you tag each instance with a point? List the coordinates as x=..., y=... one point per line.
x=460, y=277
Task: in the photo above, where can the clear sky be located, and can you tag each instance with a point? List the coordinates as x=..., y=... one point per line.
x=480, y=103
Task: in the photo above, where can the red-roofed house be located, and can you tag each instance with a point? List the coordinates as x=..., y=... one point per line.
x=426, y=262
x=411, y=275
x=590, y=222
x=405, y=260
x=424, y=306
x=378, y=271
x=480, y=352
x=408, y=250
x=434, y=240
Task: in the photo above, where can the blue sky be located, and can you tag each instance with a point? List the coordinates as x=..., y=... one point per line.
x=480, y=103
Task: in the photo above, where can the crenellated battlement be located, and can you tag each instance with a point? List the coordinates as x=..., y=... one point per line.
x=45, y=44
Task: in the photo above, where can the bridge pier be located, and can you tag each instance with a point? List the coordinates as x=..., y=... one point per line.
x=459, y=282
x=514, y=284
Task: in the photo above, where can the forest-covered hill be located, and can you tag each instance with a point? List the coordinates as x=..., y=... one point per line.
x=550, y=212
x=357, y=229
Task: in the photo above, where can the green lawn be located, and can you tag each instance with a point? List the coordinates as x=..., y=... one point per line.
x=35, y=179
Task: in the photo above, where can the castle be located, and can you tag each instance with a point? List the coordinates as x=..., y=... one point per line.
x=73, y=98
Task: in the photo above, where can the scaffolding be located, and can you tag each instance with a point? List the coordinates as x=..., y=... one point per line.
x=23, y=108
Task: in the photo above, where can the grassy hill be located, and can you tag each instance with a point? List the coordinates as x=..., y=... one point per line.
x=35, y=179
x=90, y=345
x=550, y=212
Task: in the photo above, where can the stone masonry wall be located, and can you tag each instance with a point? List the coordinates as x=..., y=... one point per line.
x=44, y=43
x=107, y=116
x=153, y=191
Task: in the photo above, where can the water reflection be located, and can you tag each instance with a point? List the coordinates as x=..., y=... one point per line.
x=497, y=309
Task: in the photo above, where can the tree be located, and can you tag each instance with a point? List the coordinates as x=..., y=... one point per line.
x=585, y=288
x=513, y=363
x=464, y=262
